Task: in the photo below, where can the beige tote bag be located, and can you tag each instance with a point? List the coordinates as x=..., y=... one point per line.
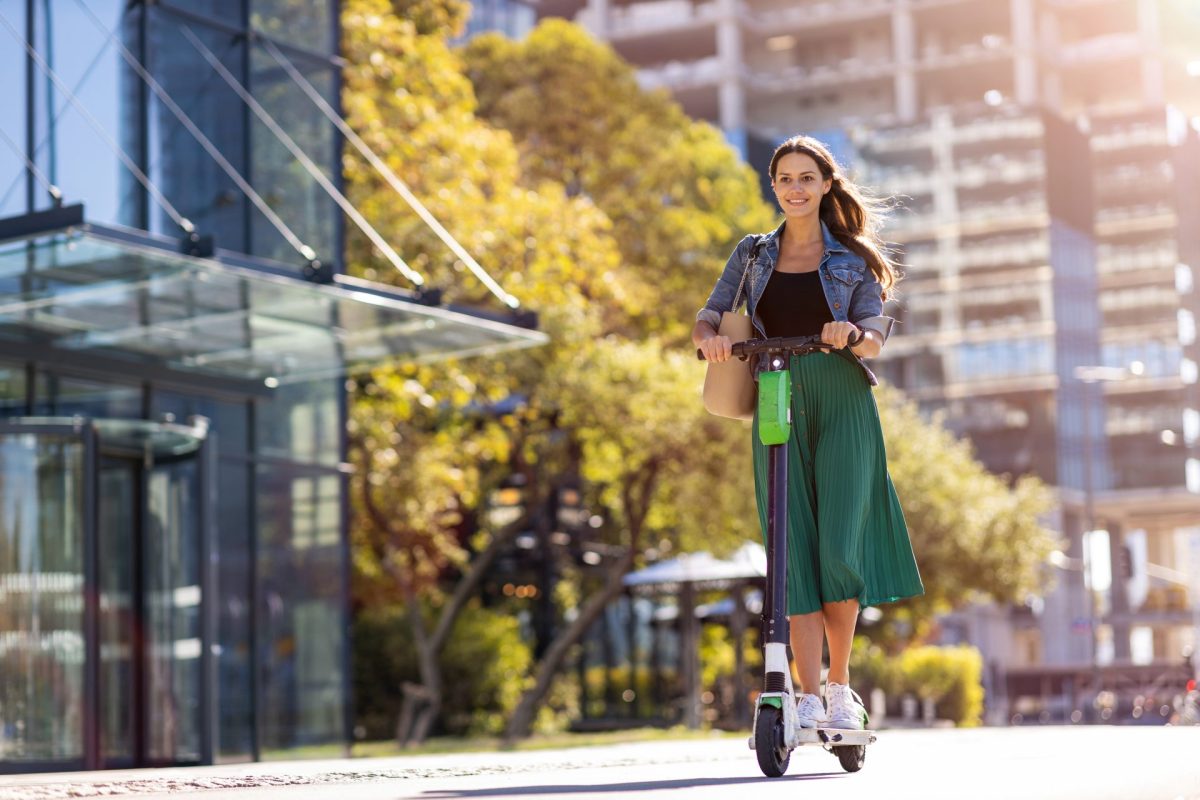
x=729, y=389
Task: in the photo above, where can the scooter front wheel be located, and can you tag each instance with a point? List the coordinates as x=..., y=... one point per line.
x=769, y=745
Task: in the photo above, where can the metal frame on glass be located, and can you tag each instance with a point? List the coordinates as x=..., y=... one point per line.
x=89, y=435
x=85, y=435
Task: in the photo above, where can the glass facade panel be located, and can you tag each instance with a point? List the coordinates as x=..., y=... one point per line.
x=12, y=390
x=41, y=598
x=229, y=12
x=178, y=165
x=1003, y=359
x=235, y=592
x=512, y=18
x=308, y=25
x=118, y=509
x=63, y=396
x=13, y=117
x=228, y=421
x=296, y=197
x=304, y=424
x=302, y=630
x=172, y=614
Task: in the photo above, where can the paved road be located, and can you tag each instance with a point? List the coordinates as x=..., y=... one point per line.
x=1096, y=763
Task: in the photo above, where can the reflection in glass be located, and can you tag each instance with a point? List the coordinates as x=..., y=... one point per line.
x=179, y=166
x=228, y=421
x=62, y=396
x=41, y=591
x=512, y=18
x=225, y=11
x=115, y=554
x=304, y=424
x=12, y=391
x=172, y=614
x=302, y=23
x=235, y=598
x=302, y=633
x=293, y=193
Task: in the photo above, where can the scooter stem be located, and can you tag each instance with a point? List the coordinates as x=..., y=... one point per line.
x=775, y=423
x=775, y=621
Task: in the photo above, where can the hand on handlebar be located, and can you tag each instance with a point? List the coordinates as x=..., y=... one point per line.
x=716, y=348
x=841, y=334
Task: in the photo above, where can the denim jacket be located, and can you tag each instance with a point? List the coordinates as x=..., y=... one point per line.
x=852, y=291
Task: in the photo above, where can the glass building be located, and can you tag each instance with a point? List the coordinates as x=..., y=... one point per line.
x=513, y=18
x=173, y=512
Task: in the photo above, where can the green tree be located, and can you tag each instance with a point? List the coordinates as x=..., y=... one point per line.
x=644, y=442
x=425, y=442
x=422, y=437
x=975, y=536
x=677, y=199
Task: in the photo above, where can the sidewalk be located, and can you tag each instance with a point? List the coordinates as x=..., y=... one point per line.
x=329, y=772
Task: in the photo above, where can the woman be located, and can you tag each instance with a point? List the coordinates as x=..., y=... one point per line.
x=822, y=274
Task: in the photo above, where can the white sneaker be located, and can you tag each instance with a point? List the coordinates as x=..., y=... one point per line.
x=846, y=709
x=810, y=711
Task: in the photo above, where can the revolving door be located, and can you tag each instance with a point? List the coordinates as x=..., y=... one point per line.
x=106, y=587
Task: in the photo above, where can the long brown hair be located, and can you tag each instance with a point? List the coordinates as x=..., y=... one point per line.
x=852, y=217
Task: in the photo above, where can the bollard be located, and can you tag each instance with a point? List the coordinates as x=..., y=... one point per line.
x=878, y=707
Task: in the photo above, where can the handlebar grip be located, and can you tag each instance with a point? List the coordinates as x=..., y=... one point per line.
x=736, y=353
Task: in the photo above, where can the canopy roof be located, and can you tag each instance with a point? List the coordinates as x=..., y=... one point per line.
x=750, y=561
x=126, y=294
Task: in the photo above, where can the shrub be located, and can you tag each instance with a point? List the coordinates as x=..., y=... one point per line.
x=950, y=676
x=484, y=665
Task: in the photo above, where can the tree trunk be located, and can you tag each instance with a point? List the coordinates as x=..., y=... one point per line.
x=425, y=720
x=416, y=698
x=635, y=499
x=422, y=702
x=405, y=721
x=521, y=721
x=423, y=713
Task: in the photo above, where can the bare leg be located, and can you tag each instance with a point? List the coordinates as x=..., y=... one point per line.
x=807, y=639
x=840, y=619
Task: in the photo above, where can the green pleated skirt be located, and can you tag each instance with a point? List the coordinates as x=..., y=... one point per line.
x=847, y=538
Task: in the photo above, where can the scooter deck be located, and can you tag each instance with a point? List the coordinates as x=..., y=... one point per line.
x=832, y=737
x=835, y=737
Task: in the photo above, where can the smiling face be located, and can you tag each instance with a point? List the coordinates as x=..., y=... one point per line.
x=798, y=185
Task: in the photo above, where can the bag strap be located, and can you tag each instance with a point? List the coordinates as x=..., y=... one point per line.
x=750, y=261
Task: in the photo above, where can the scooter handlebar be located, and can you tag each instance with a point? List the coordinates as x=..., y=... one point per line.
x=781, y=344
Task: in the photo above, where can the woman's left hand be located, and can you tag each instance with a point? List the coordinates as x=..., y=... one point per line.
x=838, y=333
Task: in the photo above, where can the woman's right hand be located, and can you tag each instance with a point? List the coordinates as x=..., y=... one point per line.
x=717, y=348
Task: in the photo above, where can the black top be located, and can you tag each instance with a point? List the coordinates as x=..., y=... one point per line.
x=793, y=304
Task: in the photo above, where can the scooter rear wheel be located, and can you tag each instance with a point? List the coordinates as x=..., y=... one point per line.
x=852, y=756
x=769, y=745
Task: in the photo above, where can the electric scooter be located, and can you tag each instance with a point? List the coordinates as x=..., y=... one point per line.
x=776, y=730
